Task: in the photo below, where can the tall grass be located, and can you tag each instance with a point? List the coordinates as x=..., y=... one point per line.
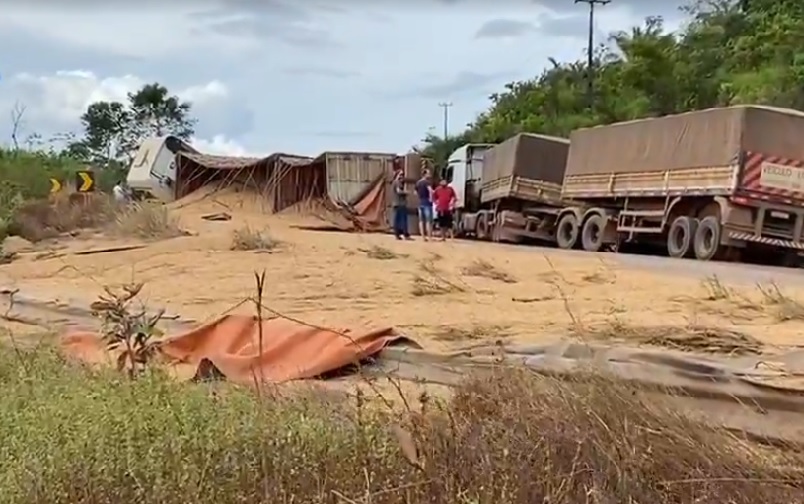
x=72, y=435
x=25, y=176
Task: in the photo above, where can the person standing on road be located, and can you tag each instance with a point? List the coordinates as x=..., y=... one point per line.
x=400, y=207
x=424, y=190
x=445, y=199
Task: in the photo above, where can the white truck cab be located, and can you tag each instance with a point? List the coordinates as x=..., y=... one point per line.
x=464, y=171
x=153, y=171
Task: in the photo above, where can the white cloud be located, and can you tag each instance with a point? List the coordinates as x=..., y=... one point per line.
x=271, y=76
x=54, y=102
x=209, y=92
x=63, y=96
x=223, y=146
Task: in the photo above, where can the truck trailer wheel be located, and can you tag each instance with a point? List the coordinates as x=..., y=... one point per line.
x=567, y=231
x=680, y=236
x=592, y=233
x=707, y=238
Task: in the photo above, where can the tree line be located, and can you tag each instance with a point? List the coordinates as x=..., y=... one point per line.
x=111, y=130
x=729, y=52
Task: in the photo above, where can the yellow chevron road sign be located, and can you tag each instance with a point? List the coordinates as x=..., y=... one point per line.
x=85, y=181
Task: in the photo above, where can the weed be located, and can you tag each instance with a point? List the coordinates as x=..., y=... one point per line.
x=431, y=281
x=248, y=238
x=686, y=338
x=63, y=213
x=715, y=289
x=127, y=332
x=73, y=435
x=149, y=221
x=381, y=253
x=484, y=269
x=598, y=277
x=786, y=308
x=474, y=332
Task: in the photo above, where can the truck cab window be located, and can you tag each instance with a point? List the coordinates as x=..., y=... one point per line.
x=448, y=173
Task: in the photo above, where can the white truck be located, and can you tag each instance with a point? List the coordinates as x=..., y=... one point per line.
x=152, y=173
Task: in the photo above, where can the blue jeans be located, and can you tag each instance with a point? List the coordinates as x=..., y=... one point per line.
x=426, y=213
x=401, y=222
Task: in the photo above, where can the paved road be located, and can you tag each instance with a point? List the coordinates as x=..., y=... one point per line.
x=727, y=271
x=731, y=272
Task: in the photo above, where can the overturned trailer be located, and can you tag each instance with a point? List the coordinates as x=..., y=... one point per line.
x=707, y=184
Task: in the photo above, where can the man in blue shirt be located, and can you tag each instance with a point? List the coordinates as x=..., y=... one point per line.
x=424, y=190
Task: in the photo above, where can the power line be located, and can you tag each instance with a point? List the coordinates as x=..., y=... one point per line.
x=590, y=49
x=446, y=106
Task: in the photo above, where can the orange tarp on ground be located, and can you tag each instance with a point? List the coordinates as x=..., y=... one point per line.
x=290, y=350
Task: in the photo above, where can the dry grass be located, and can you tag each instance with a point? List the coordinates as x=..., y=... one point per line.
x=690, y=338
x=75, y=436
x=68, y=213
x=785, y=308
x=432, y=281
x=484, y=269
x=249, y=238
x=149, y=221
x=63, y=213
x=475, y=332
x=737, y=304
x=715, y=289
x=381, y=253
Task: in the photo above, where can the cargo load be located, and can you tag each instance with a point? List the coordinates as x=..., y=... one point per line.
x=753, y=150
x=527, y=167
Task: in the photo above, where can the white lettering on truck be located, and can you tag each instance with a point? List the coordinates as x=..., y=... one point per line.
x=784, y=177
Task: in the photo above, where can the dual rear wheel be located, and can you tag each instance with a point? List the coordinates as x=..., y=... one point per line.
x=691, y=237
x=571, y=234
x=687, y=236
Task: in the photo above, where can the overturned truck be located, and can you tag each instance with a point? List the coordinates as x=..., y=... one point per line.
x=708, y=184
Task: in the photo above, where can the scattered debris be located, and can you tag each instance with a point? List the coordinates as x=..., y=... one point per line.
x=485, y=269
x=537, y=299
x=221, y=216
x=381, y=253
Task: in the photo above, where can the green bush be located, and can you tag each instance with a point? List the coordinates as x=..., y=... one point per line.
x=69, y=435
x=25, y=176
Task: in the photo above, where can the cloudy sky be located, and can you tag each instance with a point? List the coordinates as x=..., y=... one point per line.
x=301, y=77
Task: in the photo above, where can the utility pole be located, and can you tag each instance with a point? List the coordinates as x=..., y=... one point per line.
x=446, y=106
x=590, y=49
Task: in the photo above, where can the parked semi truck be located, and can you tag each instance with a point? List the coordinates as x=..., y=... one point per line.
x=511, y=191
x=709, y=184
x=706, y=184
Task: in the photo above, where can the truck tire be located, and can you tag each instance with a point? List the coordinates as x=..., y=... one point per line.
x=482, y=226
x=567, y=231
x=680, y=236
x=592, y=233
x=707, y=238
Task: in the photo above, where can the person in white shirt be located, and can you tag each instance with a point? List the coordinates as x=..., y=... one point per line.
x=120, y=194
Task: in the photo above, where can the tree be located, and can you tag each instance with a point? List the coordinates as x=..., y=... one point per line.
x=729, y=52
x=113, y=130
x=107, y=131
x=158, y=113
